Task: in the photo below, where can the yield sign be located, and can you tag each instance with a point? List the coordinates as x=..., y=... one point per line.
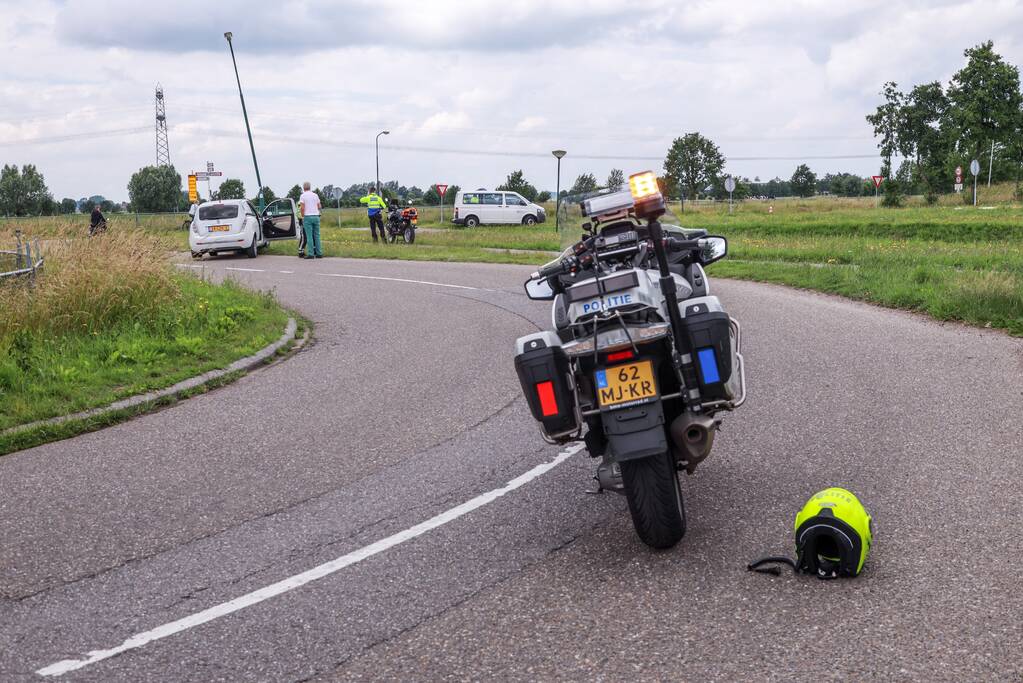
x=442, y=189
x=877, y=180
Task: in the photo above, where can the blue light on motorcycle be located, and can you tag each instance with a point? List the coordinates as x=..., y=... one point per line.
x=708, y=365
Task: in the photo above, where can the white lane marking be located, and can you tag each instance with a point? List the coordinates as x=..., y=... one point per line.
x=287, y=272
x=247, y=270
x=399, y=279
x=326, y=569
x=188, y=265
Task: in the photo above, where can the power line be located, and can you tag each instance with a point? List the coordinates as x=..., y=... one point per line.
x=415, y=148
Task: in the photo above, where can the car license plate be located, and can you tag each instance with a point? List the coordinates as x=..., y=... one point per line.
x=629, y=383
x=220, y=228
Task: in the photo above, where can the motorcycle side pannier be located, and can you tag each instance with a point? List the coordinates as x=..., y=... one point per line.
x=544, y=374
x=712, y=338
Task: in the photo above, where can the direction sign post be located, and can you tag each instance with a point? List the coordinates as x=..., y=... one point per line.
x=975, y=169
x=730, y=187
x=959, y=179
x=441, y=190
x=877, y=184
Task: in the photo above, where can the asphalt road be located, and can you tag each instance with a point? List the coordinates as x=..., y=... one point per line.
x=336, y=482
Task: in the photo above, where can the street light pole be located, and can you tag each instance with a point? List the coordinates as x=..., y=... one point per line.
x=245, y=113
x=383, y=132
x=558, y=153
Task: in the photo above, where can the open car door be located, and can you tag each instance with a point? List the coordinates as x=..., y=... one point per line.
x=280, y=220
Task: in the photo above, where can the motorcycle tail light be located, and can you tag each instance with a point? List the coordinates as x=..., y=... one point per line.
x=620, y=355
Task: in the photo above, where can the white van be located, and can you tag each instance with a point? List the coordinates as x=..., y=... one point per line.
x=485, y=207
x=233, y=225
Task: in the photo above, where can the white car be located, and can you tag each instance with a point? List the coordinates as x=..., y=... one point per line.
x=484, y=207
x=234, y=225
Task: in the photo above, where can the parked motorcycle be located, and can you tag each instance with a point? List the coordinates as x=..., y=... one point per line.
x=642, y=358
x=401, y=223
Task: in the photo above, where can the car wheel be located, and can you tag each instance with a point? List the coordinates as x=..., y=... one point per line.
x=196, y=255
x=529, y=220
x=471, y=221
x=252, y=250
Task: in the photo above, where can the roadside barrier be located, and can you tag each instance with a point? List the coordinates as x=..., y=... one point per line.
x=26, y=259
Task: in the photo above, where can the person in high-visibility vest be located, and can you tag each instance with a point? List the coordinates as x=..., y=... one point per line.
x=375, y=206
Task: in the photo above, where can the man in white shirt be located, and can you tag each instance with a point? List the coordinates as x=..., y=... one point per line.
x=310, y=205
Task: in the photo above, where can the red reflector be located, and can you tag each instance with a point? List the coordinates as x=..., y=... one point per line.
x=548, y=404
x=619, y=355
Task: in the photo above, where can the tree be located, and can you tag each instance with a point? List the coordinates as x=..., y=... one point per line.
x=885, y=121
x=984, y=101
x=23, y=193
x=584, y=183
x=155, y=188
x=68, y=205
x=803, y=181
x=517, y=183
x=694, y=161
x=231, y=188
x=294, y=193
x=543, y=196
x=615, y=179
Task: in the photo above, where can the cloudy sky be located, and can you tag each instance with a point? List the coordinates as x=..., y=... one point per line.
x=470, y=89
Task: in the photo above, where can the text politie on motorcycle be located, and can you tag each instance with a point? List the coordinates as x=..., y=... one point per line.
x=375, y=205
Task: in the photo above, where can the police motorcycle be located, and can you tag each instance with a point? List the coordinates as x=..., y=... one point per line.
x=642, y=360
x=401, y=223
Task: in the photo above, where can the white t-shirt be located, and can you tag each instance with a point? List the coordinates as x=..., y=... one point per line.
x=310, y=203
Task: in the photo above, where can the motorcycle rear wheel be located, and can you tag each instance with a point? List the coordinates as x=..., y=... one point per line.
x=409, y=235
x=655, y=500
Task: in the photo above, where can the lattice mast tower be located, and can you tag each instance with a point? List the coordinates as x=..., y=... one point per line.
x=162, y=144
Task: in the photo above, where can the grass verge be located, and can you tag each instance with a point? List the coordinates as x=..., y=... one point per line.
x=110, y=318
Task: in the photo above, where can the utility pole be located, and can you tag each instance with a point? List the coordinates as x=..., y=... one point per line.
x=990, y=163
x=380, y=190
x=248, y=130
x=162, y=144
x=558, y=153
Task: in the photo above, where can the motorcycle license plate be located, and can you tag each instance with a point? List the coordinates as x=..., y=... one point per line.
x=629, y=383
x=220, y=228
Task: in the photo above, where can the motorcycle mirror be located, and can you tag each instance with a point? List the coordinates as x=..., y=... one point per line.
x=539, y=290
x=715, y=249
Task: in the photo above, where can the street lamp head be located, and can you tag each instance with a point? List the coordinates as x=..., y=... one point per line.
x=228, y=35
x=559, y=153
x=386, y=132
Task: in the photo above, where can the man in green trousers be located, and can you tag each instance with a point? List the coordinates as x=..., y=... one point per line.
x=310, y=203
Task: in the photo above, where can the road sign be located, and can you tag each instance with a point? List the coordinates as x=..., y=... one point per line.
x=729, y=184
x=877, y=180
x=959, y=170
x=974, y=167
x=193, y=193
x=958, y=187
x=201, y=175
x=442, y=189
x=214, y=174
x=336, y=193
x=209, y=167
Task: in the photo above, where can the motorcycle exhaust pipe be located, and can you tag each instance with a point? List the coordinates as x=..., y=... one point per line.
x=693, y=437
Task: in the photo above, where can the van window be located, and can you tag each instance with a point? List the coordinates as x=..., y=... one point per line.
x=218, y=212
x=493, y=198
x=514, y=200
x=470, y=198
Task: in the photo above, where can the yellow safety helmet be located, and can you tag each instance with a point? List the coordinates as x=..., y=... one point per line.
x=833, y=536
